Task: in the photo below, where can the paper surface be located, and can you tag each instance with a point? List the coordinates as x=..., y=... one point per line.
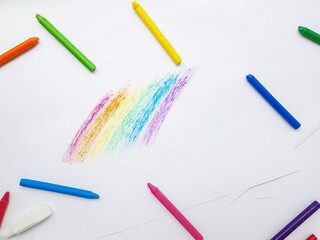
x=263, y=211
x=219, y=137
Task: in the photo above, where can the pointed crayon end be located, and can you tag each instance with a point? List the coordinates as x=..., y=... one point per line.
x=312, y=237
x=135, y=4
x=94, y=195
x=152, y=188
x=39, y=17
x=5, y=197
x=35, y=39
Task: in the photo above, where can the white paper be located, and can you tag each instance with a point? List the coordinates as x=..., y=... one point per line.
x=219, y=137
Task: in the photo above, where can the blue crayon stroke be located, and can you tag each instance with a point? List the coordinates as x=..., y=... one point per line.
x=150, y=107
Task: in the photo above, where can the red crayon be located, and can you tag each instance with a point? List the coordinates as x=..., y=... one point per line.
x=312, y=237
x=3, y=205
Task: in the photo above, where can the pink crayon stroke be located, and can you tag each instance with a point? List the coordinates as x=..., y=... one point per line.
x=165, y=107
x=85, y=125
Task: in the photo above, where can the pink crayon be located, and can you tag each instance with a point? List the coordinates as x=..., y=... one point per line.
x=175, y=212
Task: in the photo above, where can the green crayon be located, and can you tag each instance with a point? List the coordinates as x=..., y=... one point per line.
x=306, y=32
x=65, y=42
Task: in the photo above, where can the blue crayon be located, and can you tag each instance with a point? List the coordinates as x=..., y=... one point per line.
x=58, y=188
x=273, y=102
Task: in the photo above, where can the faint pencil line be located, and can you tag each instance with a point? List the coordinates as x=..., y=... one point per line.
x=311, y=134
x=223, y=209
x=131, y=227
x=241, y=194
x=111, y=234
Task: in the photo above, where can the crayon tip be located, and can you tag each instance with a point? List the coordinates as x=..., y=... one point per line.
x=312, y=237
x=301, y=29
x=34, y=39
x=135, y=4
x=5, y=197
x=39, y=17
x=93, y=195
x=152, y=188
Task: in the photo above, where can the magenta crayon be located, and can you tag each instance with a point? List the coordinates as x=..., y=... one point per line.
x=175, y=212
x=3, y=205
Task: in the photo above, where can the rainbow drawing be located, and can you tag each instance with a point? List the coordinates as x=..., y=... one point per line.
x=123, y=119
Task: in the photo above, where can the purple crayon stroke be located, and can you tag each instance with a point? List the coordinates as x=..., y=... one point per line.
x=165, y=107
x=150, y=107
x=85, y=126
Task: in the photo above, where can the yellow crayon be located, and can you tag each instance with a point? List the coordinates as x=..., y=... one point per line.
x=156, y=32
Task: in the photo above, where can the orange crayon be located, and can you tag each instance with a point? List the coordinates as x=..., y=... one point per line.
x=17, y=50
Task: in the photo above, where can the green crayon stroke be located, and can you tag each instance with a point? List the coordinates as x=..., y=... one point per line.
x=126, y=124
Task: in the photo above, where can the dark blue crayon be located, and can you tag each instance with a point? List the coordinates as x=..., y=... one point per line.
x=273, y=102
